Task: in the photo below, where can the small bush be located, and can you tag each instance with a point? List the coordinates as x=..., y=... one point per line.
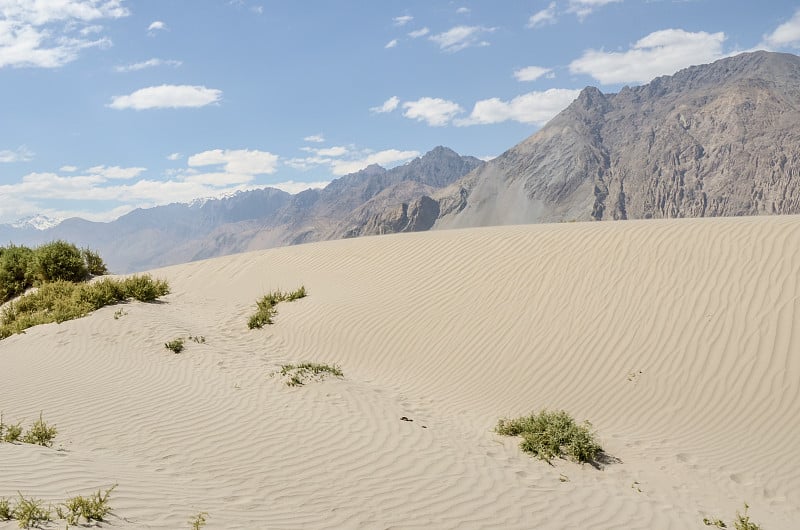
x=553, y=434
x=12, y=433
x=198, y=521
x=144, y=288
x=94, y=263
x=59, y=260
x=40, y=433
x=175, y=345
x=298, y=374
x=30, y=512
x=92, y=508
x=16, y=271
x=265, y=308
x=713, y=521
x=6, y=512
x=199, y=340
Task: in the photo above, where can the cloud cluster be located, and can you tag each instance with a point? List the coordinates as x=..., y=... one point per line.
x=461, y=37
x=50, y=34
x=433, y=111
x=659, y=53
x=532, y=73
x=20, y=154
x=544, y=17
x=167, y=96
x=150, y=63
x=583, y=8
x=348, y=159
x=787, y=35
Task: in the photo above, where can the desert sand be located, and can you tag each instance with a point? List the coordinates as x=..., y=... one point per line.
x=679, y=340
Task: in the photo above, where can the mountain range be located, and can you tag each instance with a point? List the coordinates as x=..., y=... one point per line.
x=712, y=140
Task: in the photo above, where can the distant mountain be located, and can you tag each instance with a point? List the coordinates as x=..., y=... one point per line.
x=37, y=222
x=713, y=140
x=263, y=218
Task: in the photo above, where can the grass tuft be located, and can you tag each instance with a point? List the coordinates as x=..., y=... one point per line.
x=265, y=308
x=549, y=435
x=743, y=521
x=299, y=374
x=93, y=508
x=175, y=345
x=6, y=513
x=40, y=433
x=30, y=512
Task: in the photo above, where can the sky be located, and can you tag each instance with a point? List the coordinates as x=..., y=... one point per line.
x=111, y=105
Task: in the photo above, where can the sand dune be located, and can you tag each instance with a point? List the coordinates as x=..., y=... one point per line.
x=678, y=340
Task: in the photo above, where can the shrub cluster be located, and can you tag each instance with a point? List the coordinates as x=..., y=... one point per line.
x=266, y=306
x=742, y=521
x=548, y=435
x=32, y=512
x=298, y=374
x=22, y=268
x=62, y=300
x=40, y=433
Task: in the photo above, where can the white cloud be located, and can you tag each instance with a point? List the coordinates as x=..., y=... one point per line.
x=174, y=156
x=530, y=73
x=167, y=96
x=258, y=10
x=156, y=25
x=785, y=35
x=335, y=151
x=316, y=138
x=460, y=37
x=88, y=30
x=391, y=44
x=417, y=33
x=382, y=158
x=116, y=172
x=238, y=161
x=402, y=21
x=434, y=111
x=543, y=17
x=20, y=154
x=583, y=8
x=150, y=63
x=68, y=169
x=463, y=11
x=535, y=108
x=659, y=53
x=388, y=106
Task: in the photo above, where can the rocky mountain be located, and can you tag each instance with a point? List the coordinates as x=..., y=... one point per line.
x=712, y=140
x=263, y=218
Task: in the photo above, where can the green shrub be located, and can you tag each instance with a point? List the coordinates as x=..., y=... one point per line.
x=553, y=434
x=175, y=345
x=6, y=512
x=265, y=308
x=94, y=263
x=40, y=433
x=92, y=508
x=298, y=374
x=30, y=512
x=713, y=521
x=59, y=260
x=144, y=288
x=198, y=521
x=16, y=271
x=61, y=300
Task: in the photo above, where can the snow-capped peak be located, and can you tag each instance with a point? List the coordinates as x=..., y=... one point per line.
x=38, y=222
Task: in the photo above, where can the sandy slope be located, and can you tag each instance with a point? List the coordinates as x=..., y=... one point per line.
x=452, y=329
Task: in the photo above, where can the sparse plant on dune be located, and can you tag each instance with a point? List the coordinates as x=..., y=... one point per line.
x=176, y=345
x=549, y=435
x=299, y=374
x=40, y=433
x=10, y=433
x=6, y=512
x=742, y=521
x=199, y=340
x=265, y=308
x=198, y=521
x=92, y=508
x=30, y=512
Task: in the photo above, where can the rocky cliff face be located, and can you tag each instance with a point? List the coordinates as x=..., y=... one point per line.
x=712, y=140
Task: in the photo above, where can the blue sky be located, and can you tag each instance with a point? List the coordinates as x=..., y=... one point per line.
x=109, y=105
